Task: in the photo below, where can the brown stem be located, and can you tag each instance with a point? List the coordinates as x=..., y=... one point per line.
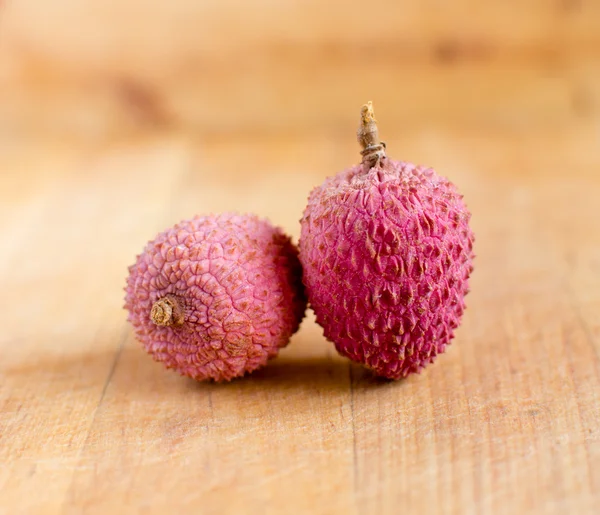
x=373, y=150
x=167, y=311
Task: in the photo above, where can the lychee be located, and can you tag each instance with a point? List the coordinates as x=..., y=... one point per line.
x=387, y=252
x=216, y=297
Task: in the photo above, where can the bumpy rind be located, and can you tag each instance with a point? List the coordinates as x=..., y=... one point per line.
x=387, y=254
x=238, y=280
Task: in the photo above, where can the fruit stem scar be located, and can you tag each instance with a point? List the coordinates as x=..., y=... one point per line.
x=167, y=311
x=373, y=150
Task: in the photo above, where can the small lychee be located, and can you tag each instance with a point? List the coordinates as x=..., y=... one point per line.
x=216, y=297
x=387, y=253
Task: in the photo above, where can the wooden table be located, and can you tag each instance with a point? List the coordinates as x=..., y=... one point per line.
x=118, y=119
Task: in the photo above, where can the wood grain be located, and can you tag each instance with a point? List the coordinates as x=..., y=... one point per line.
x=118, y=119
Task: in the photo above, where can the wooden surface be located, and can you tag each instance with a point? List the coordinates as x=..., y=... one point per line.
x=118, y=119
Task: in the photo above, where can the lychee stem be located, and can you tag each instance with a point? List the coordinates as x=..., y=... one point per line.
x=373, y=150
x=167, y=311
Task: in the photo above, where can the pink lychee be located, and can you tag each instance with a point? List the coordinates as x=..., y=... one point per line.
x=387, y=252
x=216, y=297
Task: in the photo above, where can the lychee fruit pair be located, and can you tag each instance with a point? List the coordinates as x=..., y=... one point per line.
x=385, y=256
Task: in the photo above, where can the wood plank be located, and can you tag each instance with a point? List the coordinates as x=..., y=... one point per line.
x=117, y=120
x=506, y=420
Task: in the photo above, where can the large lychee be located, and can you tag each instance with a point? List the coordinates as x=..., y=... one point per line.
x=215, y=297
x=387, y=252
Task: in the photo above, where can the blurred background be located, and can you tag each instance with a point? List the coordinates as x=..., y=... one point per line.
x=98, y=69
x=119, y=118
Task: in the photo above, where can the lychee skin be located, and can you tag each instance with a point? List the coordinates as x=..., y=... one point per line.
x=387, y=253
x=238, y=281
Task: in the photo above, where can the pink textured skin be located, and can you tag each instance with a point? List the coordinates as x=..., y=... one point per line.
x=387, y=253
x=240, y=282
